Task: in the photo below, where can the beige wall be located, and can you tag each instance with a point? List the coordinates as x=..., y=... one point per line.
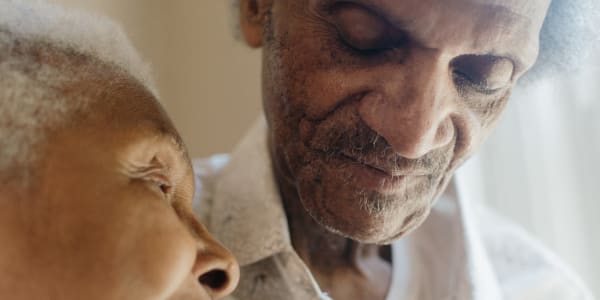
x=208, y=82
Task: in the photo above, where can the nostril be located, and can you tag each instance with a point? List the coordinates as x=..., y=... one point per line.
x=216, y=280
x=215, y=269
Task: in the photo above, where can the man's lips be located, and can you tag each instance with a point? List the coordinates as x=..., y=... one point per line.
x=373, y=178
x=385, y=168
x=375, y=168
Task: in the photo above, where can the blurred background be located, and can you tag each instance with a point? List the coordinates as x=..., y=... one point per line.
x=540, y=168
x=208, y=82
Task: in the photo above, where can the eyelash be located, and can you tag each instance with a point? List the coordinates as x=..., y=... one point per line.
x=161, y=186
x=355, y=51
x=463, y=81
x=376, y=53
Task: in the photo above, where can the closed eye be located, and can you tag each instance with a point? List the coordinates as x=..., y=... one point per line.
x=484, y=74
x=363, y=30
x=155, y=175
x=463, y=80
x=160, y=183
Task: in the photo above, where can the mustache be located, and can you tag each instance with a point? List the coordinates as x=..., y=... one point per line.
x=346, y=135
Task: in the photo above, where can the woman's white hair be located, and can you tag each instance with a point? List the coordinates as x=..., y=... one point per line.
x=570, y=32
x=42, y=47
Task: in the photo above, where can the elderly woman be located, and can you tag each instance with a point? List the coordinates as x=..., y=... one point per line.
x=96, y=183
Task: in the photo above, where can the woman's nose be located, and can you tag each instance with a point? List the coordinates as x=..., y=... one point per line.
x=216, y=269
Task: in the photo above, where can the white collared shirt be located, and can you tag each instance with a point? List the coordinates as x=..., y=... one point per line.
x=460, y=252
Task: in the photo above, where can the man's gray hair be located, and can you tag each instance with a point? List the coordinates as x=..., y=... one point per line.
x=42, y=47
x=570, y=32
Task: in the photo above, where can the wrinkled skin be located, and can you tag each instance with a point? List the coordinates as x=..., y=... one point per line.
x=373, y=104
x=108, y=214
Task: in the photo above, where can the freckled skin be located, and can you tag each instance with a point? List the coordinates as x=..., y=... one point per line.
x=93, y=224
x=367, y=127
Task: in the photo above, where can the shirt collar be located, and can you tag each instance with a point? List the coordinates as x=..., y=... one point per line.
x=483, y=280
x=248, y=217
x=247, y=214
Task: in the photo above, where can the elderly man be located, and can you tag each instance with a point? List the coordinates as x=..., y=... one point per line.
x=96, y=184
x=370, y=105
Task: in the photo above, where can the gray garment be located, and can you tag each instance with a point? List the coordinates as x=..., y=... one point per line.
x=460, y=252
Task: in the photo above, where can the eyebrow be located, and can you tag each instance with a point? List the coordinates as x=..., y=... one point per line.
x=169, y=134
x=175, y=141
x=397, y=23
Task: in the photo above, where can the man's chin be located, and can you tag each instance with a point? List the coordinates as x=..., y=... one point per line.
x=367, y=220
x=380, y=231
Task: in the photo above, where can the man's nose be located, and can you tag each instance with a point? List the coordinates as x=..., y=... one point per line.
x=412, y=107
x=215, y=267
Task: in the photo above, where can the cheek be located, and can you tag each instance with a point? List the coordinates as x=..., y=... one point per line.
x=154, y=248
x=491, y=114
x=473, y=123
x=305, y=72
x=482, y=118
x=124, y=243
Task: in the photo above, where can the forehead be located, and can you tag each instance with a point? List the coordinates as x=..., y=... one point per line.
x=499, y=27
x=118, y=105
x=134, y=107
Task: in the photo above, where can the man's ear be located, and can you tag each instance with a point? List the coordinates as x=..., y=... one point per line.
x=253, y=15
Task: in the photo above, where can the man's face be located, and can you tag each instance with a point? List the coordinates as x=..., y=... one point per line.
x=109, y=215
x=372, y=104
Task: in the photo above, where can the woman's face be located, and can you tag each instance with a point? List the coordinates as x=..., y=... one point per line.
x=108, y=215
